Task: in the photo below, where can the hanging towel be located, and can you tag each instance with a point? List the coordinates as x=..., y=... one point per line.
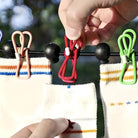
x=120, y=102
x=20, y=99
x=77, y=103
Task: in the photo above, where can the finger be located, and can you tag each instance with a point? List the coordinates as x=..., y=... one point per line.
x=25, y=132
x=90, y=35
x=107, y=32
x=49, y=128
x=100, y=35
x=92, y=38
x=93, y=21
x=101, y=28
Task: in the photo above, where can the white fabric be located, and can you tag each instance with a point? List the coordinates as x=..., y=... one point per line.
x=20, y=100
x=120, y=102
x=75, y=102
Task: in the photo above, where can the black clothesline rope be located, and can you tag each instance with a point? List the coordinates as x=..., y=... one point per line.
x=41, y=53
x=81, y=53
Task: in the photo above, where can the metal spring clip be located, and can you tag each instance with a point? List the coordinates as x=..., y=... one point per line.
x=71, y=53
x=127, y=55
x=22, y=52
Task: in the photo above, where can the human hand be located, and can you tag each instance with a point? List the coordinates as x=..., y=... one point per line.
x=97, y=20
x=47, y=128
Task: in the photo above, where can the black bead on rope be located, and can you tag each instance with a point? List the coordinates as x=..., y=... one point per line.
x=52, y=51
x=102, y=52
x=8, y=49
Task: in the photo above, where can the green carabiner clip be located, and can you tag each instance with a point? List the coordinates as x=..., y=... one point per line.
x=127, y=54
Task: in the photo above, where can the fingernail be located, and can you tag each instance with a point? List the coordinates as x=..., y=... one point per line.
x=72, y=33
x=61, y=125
x=62, y=122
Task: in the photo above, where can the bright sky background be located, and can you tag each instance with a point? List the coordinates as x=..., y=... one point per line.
x=136, y=19
x=22, y=16
x=5, y=4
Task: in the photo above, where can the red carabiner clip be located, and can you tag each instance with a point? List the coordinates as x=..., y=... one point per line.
x=71, y=52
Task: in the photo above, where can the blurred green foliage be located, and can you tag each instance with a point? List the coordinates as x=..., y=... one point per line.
x=46, y=26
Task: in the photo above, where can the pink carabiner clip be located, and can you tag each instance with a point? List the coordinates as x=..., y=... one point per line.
x=22, y=52
x=71, y=53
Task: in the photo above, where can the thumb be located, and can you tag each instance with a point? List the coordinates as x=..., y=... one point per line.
x=74, y=16
x=49, y=128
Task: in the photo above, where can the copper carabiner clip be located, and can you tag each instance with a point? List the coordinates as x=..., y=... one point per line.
x=21, y=53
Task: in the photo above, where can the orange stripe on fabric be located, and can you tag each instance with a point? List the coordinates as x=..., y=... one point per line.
x=24, y=66
x=114, y=72
x=112, y=104
x=81, y=131
x=40, y=66
x=117, y=78
x=120, y=103
x=110, y=72
x=110, y=79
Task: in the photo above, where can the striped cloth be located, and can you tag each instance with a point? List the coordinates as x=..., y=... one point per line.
x=120, y=102
x=20, y=99
x=75, y=102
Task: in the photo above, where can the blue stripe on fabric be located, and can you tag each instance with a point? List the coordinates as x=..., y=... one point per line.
x=25, y=73
x=136, y=102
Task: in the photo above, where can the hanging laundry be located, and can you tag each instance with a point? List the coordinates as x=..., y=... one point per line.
x=77, y=103
x=21, y=86
x=119, y=92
